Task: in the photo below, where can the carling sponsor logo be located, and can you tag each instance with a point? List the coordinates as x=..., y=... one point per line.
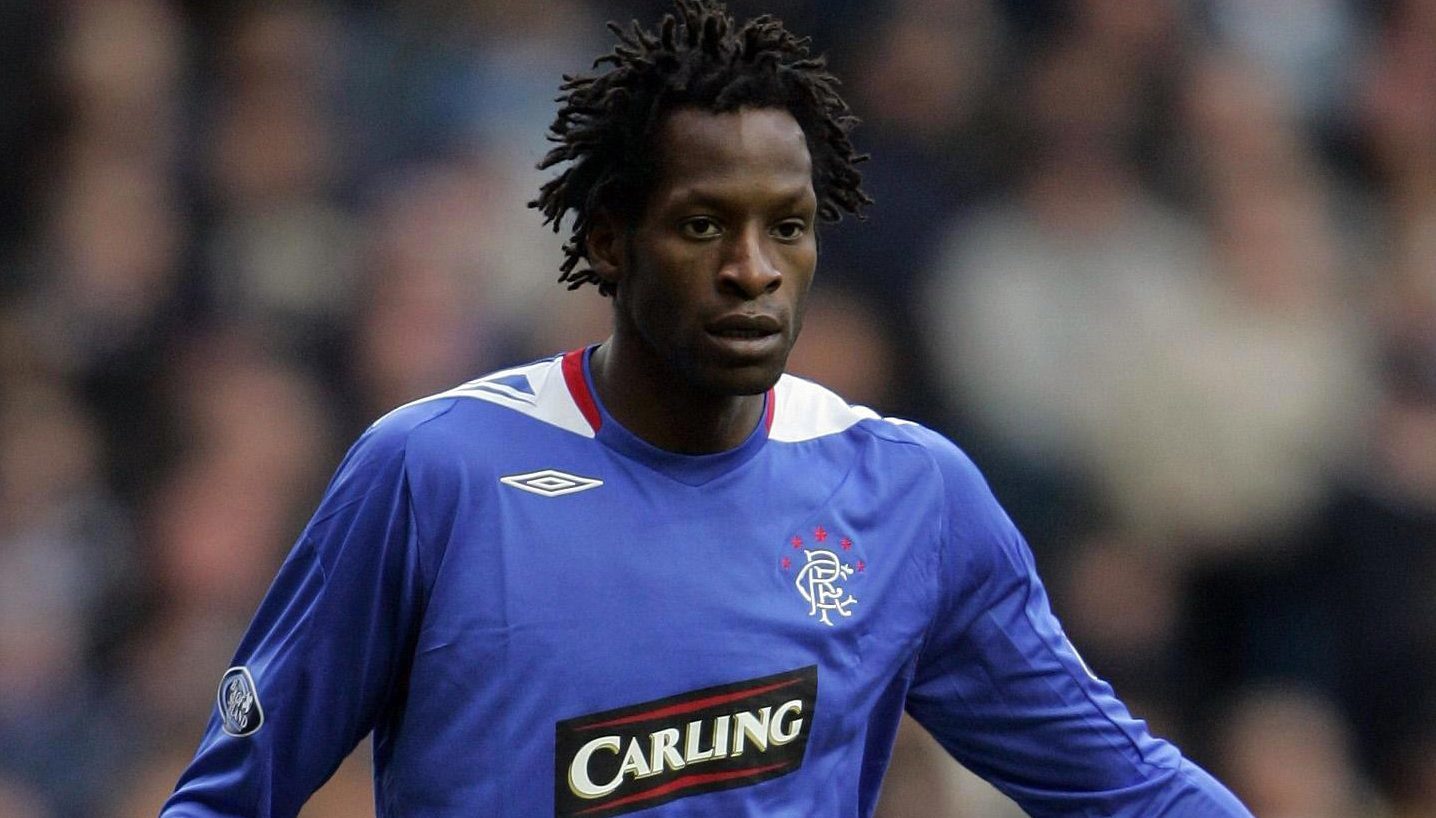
x=717, y=738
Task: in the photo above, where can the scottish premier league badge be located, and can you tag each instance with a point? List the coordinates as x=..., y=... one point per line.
x=239, y=710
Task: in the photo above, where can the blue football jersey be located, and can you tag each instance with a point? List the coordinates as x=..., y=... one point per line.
x=537, y=613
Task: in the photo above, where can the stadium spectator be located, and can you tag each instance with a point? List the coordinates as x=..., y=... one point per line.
x=1287, y=752
x=1231, y=207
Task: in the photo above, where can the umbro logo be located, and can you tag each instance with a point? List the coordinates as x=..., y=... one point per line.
x=551, y=482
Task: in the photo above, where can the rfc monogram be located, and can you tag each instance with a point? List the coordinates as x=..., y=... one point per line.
x=831, y=562
x=818, y=583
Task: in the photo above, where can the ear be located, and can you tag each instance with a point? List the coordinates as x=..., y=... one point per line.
x=605, y=247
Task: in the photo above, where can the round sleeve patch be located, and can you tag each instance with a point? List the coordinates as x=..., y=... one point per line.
x=239, y=711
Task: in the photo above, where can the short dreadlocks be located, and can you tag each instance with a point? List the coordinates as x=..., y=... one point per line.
x=607, y=124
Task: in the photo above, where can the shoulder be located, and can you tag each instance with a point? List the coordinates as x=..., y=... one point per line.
x=910, y=464
x=808, y=411
x=468, y=423
x=535, y=393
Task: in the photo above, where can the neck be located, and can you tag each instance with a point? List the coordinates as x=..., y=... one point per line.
x=640, y=392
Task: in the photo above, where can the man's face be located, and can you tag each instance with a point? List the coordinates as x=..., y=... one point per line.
x=713, y=277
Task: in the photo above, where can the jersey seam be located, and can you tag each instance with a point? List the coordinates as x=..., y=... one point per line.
x=307, y=540
x=306, y=636
x=403, y=462
x=406, y=487
x=1140, y=758
x=937, y=599
x=425, y=579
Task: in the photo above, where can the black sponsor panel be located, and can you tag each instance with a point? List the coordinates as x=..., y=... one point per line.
x=717, y=738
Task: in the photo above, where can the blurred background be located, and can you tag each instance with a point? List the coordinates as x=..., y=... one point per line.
x=1166, y=270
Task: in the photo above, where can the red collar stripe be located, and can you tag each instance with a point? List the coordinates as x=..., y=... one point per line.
x=578, y=388
x=583, y=397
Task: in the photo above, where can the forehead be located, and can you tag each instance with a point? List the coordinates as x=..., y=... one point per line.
x=751, y=151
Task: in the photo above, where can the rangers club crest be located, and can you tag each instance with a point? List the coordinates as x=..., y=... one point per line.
x=239, y=711
x=824, y=575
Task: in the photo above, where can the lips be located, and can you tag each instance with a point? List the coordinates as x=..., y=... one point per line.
x=745, y=326
x=747, y=336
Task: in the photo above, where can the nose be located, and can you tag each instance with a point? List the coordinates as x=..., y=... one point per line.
x=748, y=270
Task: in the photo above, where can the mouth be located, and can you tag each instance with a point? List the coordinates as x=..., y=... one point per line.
x=746, y=335
x=745, y=326
x=741, y=334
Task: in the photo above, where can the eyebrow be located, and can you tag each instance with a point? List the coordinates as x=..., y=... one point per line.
x=707, y=198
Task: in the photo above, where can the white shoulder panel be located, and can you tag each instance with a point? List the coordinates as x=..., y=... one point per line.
x=537, y=390
x=806, y=410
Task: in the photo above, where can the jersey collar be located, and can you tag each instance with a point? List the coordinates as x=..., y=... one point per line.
x=693, y=469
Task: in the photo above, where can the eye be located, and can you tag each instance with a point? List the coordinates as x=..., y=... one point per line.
x=790, y=230
x=700, y=227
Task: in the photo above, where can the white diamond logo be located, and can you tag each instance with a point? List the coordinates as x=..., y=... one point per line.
x=550, y=482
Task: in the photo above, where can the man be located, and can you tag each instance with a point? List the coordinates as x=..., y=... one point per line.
x=659, y=575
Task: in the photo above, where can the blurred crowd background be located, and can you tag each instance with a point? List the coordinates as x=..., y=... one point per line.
x=1166, y=269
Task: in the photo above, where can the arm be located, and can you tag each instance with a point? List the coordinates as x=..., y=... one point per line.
x=1000, y=686
x=324, y=651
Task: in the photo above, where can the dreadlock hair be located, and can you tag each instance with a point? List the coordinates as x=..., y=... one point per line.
x=607, y=124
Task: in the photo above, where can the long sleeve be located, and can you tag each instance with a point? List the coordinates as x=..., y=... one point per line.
x=1001, y=687
x=324, y=652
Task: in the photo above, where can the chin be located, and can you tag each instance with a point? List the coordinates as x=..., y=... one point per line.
x=753, y=379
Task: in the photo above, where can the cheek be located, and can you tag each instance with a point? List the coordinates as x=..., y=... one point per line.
x=674, y=282
x=653, y=302
x=802, y=262
x=802, y=257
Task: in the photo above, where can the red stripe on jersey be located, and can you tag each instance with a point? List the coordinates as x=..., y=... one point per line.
x=696, y=704
x=578, y=388
x=685, y=782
